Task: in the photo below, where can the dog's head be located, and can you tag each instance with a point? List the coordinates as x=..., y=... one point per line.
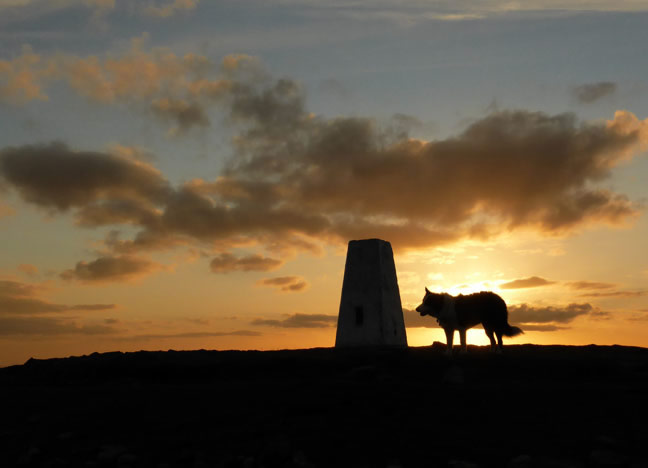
x=431, y=305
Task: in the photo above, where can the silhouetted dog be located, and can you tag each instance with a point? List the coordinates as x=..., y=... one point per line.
x=464, y=312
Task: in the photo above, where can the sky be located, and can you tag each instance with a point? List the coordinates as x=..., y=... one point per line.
x=186, y=174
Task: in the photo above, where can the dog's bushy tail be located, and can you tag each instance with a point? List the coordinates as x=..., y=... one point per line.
x=511, y=331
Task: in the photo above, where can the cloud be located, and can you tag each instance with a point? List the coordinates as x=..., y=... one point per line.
x=22, y=310
x=498, y=167
x=175, y=88
x=414, y=320
x=524, y=314
x=169, y=9
x=22, y=78
x=111, y=268
x=11, y=326
x=615, y=294
x=588, y=93
x=640, y=316
x=94, y=11
x=226, y=263
x=28, y=269
x=528, y=317
x=285, y=283
x=532, y=282
x=589, y=285
x=300, y=321
x=297, y=180
x=6, y=210
x=334, y=88
x=211, y=334
x=17, y=298
x=543, y=327
x=185, y=115
x=57, y=177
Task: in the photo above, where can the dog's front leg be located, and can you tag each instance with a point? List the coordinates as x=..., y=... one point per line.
x=449, y=337
x=462, y=338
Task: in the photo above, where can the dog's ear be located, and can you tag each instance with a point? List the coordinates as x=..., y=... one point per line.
x=426, y=291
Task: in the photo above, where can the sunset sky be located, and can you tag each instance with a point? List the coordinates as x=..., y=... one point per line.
x=186, y=174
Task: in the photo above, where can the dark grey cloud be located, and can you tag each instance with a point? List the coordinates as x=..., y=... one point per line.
x=207, y=334
x=22, y=310
x=523, y=168
x=529, y=318
x=111, y=268
x=414, y=320
x=543, y=327
x=298, y=176
x=526, y=314
x=334, y=88
x=640, y=316
x=587, y=93
x=16, y=288
x=184, y=114
x=615, y=294
x=57, y=177
x=18, y=298
x=531, y=282
x=285, y=283
x=16, y=326
x=226, y=262
x=589, y=285
x=299, y=321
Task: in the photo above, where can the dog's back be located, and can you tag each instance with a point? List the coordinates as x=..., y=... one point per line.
x=483, y=307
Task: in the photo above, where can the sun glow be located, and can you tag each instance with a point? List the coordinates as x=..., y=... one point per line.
x=427, y=336
x=466, y=288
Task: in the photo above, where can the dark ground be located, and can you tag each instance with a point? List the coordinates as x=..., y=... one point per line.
x=534, y=406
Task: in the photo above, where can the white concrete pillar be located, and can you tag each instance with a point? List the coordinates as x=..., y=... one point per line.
x=370, y=308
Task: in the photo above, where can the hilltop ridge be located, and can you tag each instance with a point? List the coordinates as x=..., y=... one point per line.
x=533, y=406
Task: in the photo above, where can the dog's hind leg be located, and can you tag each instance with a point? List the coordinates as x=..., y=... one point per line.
x=449, y=332
x=491, y=337
x=462, y=338
x=500, y=343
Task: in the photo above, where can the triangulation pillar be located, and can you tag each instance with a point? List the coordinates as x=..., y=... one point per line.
x=370, y=308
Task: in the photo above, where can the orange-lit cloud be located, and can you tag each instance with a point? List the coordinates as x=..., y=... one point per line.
x=285, y=283
x=226, y=262
x=111, y=268
x=175, y=88
x=22, y=79
x=299, y=321
x=532, y=282
x=6, y=210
